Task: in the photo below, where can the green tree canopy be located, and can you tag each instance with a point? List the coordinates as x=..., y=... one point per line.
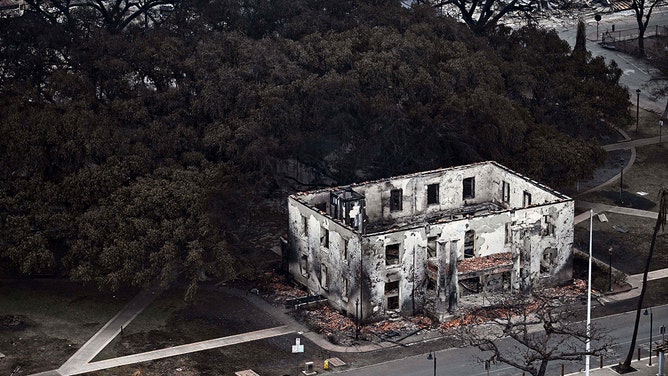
x=149, y=153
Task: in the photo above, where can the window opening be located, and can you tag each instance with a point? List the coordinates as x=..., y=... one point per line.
x=469, y=242
x=432, y=194
x=324, y=237
x=470, y=286
x=509, y=233
x=392, y=295
x=546, y=261
x=549, y=226
x=505, y=192
x=392, y=254
x=303, y=265
x=396, y=199
x=323, y=276
x=304, y=226
x=469, y=188
x=344, y=290
x=431, y=246
x=344, y=250
x=526, y=199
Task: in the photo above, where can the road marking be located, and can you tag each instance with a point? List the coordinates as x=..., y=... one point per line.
x=631, y=63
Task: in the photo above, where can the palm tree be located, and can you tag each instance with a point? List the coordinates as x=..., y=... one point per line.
x=660, y=224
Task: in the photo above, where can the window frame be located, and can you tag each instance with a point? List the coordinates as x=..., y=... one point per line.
x=469, y=246
x=526, y=199
x=324, y=276
x=433, y=194
x=505, y=192
x=395, y=247
x=396, y=199
x=324, y=237
x=468, y=186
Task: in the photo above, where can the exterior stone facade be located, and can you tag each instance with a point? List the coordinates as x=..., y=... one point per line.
x=428, y=241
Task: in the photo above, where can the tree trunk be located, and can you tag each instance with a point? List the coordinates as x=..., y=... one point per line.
x=641, y=43
x=660, y=221
x=543, y=368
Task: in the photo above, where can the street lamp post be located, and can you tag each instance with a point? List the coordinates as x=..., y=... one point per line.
x=621, y=179
x=597, y=18
x=610, y=267
x=637, y=108
x=660, y=126
x=432, y=356
x=651, y=319
x=357, y=319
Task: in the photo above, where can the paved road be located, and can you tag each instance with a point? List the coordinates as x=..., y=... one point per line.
x=465, y=361
x=637, y=74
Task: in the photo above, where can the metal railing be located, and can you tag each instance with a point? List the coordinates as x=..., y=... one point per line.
x=629, y=34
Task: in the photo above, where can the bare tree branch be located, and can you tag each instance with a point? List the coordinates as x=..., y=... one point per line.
x=542, y=329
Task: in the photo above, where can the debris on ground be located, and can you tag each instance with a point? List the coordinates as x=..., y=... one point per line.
x=621, y=229
x=340, y=329
x=280, y=290
x=485, y=262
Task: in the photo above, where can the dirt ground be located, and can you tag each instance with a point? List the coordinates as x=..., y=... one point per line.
x=44, y=321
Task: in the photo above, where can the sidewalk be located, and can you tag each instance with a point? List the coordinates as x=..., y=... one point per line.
x=600, y=208
x=316, y=338
x=642, y=368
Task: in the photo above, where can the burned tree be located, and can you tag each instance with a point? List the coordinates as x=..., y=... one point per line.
x=542, y=328
x=642, y=10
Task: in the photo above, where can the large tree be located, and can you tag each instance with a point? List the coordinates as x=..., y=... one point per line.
x=483, y=16
x=540, y=328
x=115, y=16
x=97, y=121
x=642, y=10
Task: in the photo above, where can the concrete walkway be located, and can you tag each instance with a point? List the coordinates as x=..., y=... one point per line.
x=635, y=281
x=641, y=366
x=316, y=338
x=110, y=330
x=602, y=208
x=80, y=362
x=628, y=144
x=182, y=349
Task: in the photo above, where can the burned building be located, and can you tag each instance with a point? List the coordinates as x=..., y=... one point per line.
x=427, y=242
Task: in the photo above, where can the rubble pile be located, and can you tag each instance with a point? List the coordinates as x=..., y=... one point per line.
x=398, y=328
x=484, y=263
x=281, y=291
x=571, y=292
x=328, y=321
x=481, y=315
x=423, y=322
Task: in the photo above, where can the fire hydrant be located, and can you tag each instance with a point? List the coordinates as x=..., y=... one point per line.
x=326, y=365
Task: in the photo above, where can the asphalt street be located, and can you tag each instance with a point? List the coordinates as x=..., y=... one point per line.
x=636, y=73
x=466, y=361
